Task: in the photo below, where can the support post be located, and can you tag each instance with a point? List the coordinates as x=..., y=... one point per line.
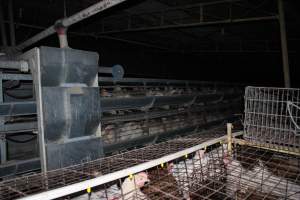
x=11, y=23
x=201, y=13
x=62, y=34
x=3, y=153
x=284, y=48
x=229, y=138
x=2, y=26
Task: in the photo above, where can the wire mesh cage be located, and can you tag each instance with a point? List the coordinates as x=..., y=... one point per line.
x=272, y=117
x=210, y=173
x=197, y=166
x=41, y=182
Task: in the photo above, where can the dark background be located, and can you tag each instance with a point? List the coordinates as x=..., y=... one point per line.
x=210, y=53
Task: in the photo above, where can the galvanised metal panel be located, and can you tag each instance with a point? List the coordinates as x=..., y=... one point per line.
x=68, y=105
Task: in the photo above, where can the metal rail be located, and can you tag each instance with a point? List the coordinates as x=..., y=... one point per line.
x=61, y=177
x=190, y=25
x=144, y=81
x=110, y=104
x=249, y=173
x=63, y=191
x=263, y=146
x=19, y=65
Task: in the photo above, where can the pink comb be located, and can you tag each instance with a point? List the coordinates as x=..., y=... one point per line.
x=143, y=174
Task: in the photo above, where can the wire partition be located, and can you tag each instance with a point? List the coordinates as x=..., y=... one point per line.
x=206, y=173
x=24, y=186
x=272, y=117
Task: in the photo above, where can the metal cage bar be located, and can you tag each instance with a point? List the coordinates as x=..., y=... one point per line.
x=272, y=117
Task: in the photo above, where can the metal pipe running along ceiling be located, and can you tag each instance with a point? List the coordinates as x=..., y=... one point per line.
x=77, y=17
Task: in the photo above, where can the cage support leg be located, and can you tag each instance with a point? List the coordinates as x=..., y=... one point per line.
x=229, y=138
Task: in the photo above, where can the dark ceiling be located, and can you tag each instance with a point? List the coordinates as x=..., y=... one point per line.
x=152, y=31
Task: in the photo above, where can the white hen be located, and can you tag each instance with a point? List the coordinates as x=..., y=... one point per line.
x=197, y=169
x=260, y=178
x=183, y=172
x=130, y=190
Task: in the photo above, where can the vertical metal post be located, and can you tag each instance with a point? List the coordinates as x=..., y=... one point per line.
x=11, y=23
x=284, y=48
x=2, y=26
x=65, y=9
x=201, y=13
x=162, y=18
x=229, y=138
x=129, y=22
x=62, y=35
x=3, y=152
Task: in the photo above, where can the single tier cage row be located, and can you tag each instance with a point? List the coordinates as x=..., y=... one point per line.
x=198, y=166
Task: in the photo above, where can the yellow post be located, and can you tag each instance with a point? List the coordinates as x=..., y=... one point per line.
x=229, y=138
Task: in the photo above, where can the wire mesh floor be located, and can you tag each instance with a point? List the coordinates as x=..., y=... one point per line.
x=210, y=173
x=36, y=183
x=250, y=173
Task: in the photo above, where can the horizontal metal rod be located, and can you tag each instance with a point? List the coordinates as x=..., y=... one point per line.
x=129, y=80
x=165, y=81
x=139, y=43
x=19, y=65
x=18, y=167
x=99, y=37
x=88, y=12
x=239, y=51
x=18, y=127
x=109, y=104
x=16, y=77
x=190, y=25
x=280, y=149
x=116, y=71
x=17, y=108
x=67, y=190
x=180, y=7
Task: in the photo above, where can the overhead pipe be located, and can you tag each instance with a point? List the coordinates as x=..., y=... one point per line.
x=2, y=26
x=11, y=23
x=88, y=12
x=62, y=34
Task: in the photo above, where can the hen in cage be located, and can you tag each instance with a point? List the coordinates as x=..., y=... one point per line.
x=253, y=173
x=130, y=189
x=192, y=167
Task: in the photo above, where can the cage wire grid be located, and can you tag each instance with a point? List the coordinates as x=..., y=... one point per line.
x=248, y=173
x=31, y=184
x=272, y=117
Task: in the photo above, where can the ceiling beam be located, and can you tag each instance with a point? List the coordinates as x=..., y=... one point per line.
x=242, y=48
x=191, y=25
x=66, y=22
